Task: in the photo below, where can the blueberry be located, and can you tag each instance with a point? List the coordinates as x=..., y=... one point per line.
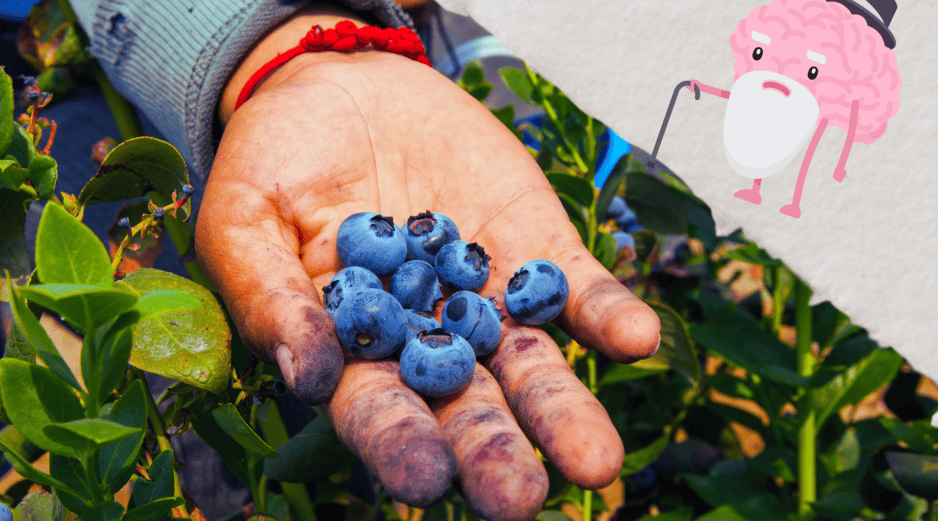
x=5, y=513
x=437, y=363
x=626, y=219
x=634, y=228
x=260, y=398
x=462, y=265
x=536, y=293
x=623, y=240
x=426, y=233
x=415, y=286
x=371, y=323
x=616, y=207
x=474, y=318
x=418, y=321
x=371, y=240
x=345, y=282
x=645, y=478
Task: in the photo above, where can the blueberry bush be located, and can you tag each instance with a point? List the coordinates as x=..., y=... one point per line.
x=751, y=409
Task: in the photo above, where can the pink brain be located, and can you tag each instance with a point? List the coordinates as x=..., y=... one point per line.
x=858, y=65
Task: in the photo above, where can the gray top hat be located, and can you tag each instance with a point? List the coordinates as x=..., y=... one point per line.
x=886, y=10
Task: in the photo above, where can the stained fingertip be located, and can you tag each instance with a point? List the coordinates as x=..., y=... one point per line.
x=635, y=333
x=416, y=463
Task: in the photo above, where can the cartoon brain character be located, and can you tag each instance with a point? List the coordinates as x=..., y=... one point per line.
x=802, y=66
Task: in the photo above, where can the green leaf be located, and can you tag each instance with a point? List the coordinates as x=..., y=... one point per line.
x=107, y=511
x=36, y=337
x=132, y=167
x=6, y=112
x=646, y=245
x=916, y=473
x=14, y=254
x=473, y=74
x=160, y=484
x=753, y=254
x=919, y=436
x=230, y=421
x=231, y=453
x=826, y=321
x=84, y=305
x=606, y=252
x=552, y=515
x=20, y=445
x=22, y=148
x=12, y=176
x=579, y=189
x=480, y=92
x=636, y=461
x=162, y=301
x=158, y=508
x=41, y=506
x=854, y=384
x=36, y=397
x=192, y=345
x=744, y=496
x=117, y=461
x=741, y=341
x=68, y=252
x=506, y=115
x=77, y=496
x=731, y=386
x=105, y=356
x=519, y=83
x=677, y=348
x=28, y=471
x=659, y=207
x=315, y=452
x=776, y=462
x=88, y=435
x=733, y=414
x=43, y=174
x=620, y=373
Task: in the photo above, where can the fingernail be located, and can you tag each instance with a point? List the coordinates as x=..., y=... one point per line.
x=285, y=361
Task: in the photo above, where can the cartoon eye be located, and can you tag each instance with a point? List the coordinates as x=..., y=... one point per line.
x=812, y=73
x=757, y=54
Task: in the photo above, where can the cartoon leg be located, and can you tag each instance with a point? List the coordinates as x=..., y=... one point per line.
x=840, y=172
x=794, y=209
x=751, y=194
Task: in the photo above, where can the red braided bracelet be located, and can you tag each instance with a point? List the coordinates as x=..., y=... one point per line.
x=344, y=38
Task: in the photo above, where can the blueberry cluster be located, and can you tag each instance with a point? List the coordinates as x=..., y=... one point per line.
x=626, y=221
x=437, y=358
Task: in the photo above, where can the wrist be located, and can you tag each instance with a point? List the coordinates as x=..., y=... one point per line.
x=280, y=39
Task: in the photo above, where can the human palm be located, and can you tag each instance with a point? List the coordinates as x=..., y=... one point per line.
x=326, y=138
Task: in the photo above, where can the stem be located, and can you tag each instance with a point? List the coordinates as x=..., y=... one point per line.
x=932, y=512
x=92, y=477
x=258, y=488
x=807, y=431
x=156, y=423
x=591, y=371
x=587, y=505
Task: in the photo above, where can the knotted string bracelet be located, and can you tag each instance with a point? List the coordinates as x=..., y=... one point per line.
x=345, y=37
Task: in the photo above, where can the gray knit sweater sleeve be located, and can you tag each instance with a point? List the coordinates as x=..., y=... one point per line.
x=171, y=58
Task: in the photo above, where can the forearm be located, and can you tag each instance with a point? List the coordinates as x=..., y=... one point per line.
x=284, y=36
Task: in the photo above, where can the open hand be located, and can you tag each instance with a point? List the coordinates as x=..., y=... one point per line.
x=328, y=135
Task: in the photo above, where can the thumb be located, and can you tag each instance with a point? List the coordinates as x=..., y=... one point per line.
x=271, y=298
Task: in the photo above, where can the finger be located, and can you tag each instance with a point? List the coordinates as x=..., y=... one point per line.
x=391, y=429
x=252, y=259
x=554, y=409
x=600, y=312
x=499, y=472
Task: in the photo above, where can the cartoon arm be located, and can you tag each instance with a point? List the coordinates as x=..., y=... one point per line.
x=697, y=86
x=839, y=172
